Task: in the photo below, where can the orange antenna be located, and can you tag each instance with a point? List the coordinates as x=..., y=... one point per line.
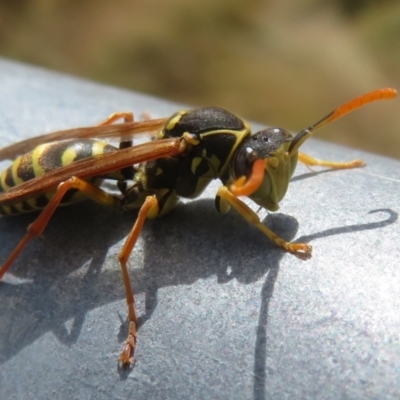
x=380, y=94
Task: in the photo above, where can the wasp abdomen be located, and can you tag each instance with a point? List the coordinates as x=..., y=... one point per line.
x=43, y=159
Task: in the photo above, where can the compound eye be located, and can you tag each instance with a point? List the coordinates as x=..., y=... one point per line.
x=244, y=161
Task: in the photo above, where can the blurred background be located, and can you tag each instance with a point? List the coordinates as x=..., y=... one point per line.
x=279, y=62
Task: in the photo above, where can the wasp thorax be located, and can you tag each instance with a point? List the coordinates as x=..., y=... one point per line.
x=202, y=120
x=261, y=145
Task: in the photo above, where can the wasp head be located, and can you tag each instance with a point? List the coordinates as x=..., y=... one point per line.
x=266, y=151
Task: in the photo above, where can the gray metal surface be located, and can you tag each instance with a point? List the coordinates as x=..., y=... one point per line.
x=224, y=313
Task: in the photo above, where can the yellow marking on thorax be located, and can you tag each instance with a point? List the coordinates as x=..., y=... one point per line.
x=195, y=163
x=171, y=123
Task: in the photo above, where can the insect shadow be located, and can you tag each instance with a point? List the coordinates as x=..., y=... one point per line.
x=261, y=345
x=66, y=270
x=68, y=280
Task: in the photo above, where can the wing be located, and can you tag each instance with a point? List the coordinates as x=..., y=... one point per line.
x=94, y=166
x=122, y=131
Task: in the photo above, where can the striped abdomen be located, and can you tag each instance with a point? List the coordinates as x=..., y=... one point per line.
x=43, y=159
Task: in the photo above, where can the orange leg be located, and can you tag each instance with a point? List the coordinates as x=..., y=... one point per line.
x=149, y=209
x=301, y=250
x=127, y=116
x=38, y=226
x=145, y=116
x=310, y=161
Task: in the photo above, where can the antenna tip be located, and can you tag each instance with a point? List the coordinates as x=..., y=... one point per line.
x=388, y=93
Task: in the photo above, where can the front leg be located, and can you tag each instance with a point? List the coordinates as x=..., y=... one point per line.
x=225, y=199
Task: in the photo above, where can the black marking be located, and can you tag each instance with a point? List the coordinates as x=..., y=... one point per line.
x=67, y=198
x=9, y=180
x=25, y=168
x=163, y=200
x=218, y=203
x=41, y=201
x=13, y=210
x=186, y=185
x=219, y=145
x=128, y=173
x=163, y=173
x=26, y=207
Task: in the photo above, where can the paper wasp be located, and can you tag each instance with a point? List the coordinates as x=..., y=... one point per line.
x=191, y=149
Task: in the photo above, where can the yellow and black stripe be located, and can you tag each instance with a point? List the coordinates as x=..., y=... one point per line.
x=46, y=158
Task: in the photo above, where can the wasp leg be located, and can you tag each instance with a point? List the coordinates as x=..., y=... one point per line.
x=310, y=161
x=149, y=209
x=127, y=116
x=38, y=226
x=145, y=116
x=225, y=199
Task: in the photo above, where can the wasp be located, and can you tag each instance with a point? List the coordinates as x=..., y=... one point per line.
x=190, y=149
